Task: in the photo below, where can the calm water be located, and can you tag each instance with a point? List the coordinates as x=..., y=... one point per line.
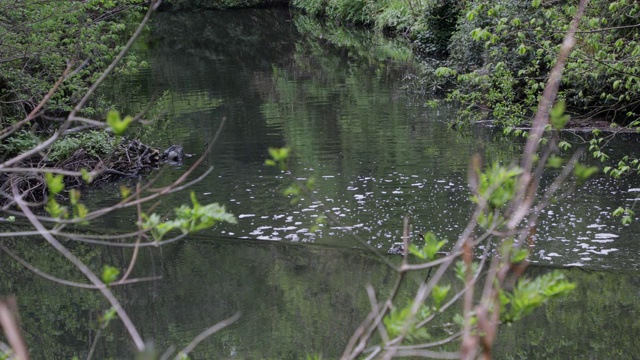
x=337, y=98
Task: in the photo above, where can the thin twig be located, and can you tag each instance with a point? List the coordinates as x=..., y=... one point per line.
x=135, y=336
x=52, y=278
x=205, y=334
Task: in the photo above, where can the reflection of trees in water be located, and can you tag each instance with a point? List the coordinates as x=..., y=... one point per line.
x=295, y=299
x=247, y=38
x=58, y=321
x=597, y=320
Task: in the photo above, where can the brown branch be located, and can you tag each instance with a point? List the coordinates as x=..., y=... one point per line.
x=12, y=331
x=523, y=199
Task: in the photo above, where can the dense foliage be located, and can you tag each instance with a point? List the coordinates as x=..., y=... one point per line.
x=514, y=44
x=494, y=57
x=39, y=39
x=430, y=23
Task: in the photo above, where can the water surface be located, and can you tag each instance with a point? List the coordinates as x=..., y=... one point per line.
x=337, y=97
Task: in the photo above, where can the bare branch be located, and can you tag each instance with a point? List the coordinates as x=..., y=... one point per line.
x=205, y=334
x=541, y=119
x=57, y=280
x=9, y=322
x=135, y=336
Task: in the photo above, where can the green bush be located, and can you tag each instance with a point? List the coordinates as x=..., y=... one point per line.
x=95, y=143
x=18, y=143
x=39, y=38
x=503, y=52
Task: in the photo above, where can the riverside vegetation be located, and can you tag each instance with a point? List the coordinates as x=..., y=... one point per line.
x=499, y=192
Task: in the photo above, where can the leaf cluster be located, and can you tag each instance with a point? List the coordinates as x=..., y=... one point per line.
x=530, y=294
x=188, y=219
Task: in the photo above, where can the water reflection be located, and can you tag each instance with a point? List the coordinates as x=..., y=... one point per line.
x=295, y=300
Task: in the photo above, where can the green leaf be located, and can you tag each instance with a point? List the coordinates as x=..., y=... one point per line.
x=461, y=270
x=279, y=154
x=530, y=294
x=583, y=173
x=554, y=162
x=522, y=50
x=417, y=251
x=81, y=211
x=399, y=319
x=188, y=219
x=558, y=118
x=86, y=176
x=616, y=84
x=519, y=255
x=109, y=274
x=118, y=125
x=279, y=157
x=108, y=315
x=55, y=183
x=564, y=145
x=124, y=192
x=439, y=293
x=617, y=212
x=74, y=196
x=471, y=15
x=54, y=209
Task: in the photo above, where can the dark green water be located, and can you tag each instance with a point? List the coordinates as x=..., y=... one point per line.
x=337, y=98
